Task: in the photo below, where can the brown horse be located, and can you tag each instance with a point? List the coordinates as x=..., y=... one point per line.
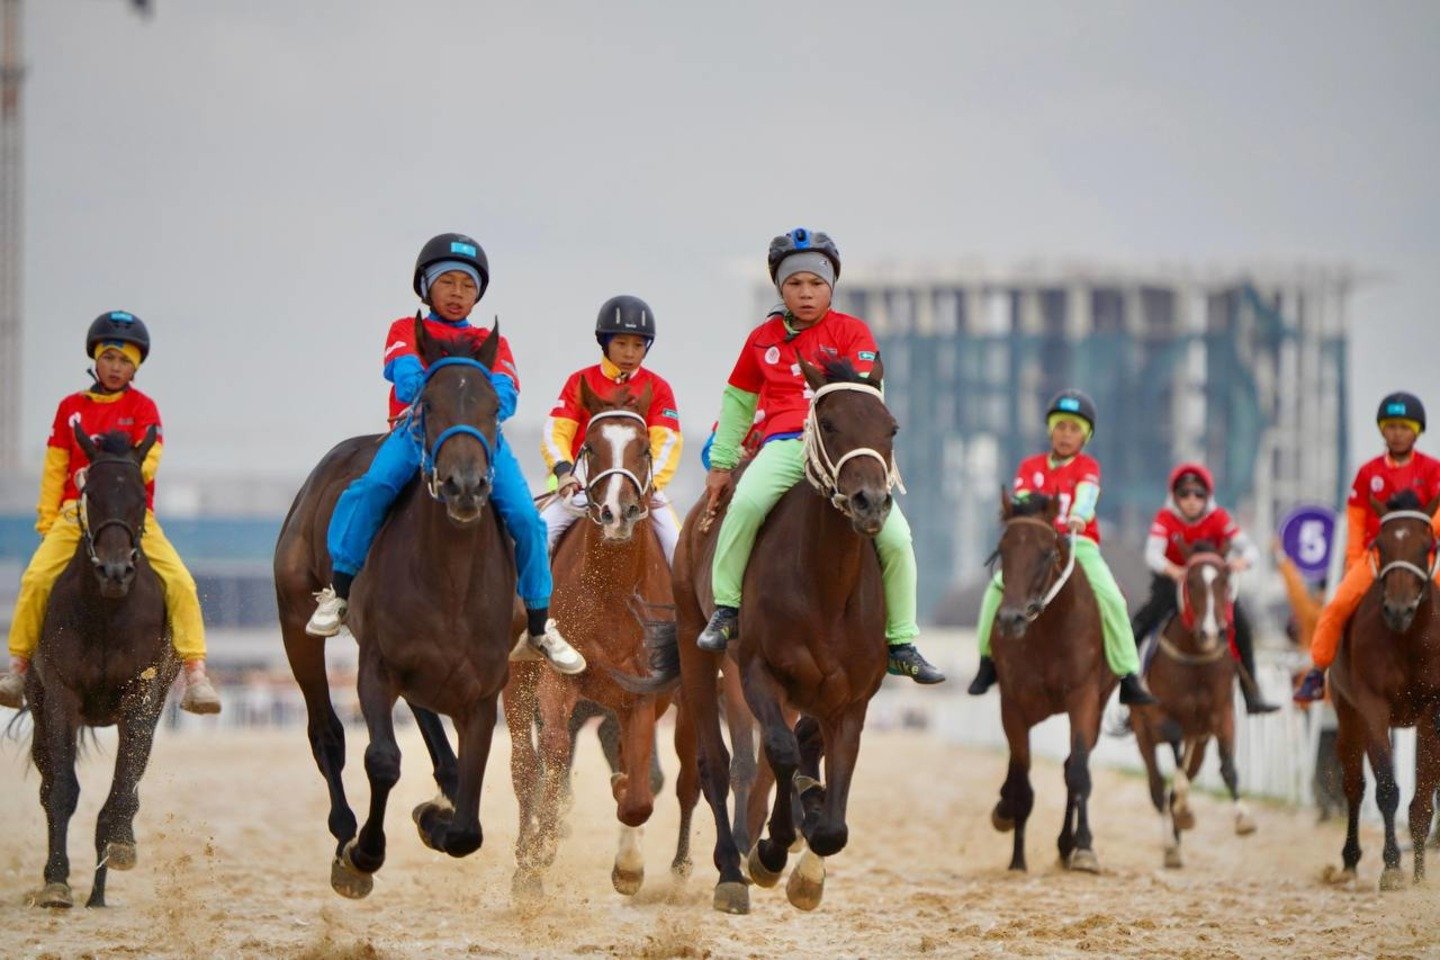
x=1387, y=675
x=1192, y=676
x=610, y=578
x=812, y=637
x=104, y=658
x=1049, y=653
x=430, y=611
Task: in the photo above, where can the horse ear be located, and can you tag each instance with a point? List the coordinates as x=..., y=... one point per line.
x=1376, y=505
x=490, y=349
x=142, y=449
x=643, y=401
x=1433, y=505
x=426, y=347
x=877, y=373
x=813, y=375
x=1007, y=505
x=1184, y=548
x=86, y=444
x=589, y=400
x=1052, y=509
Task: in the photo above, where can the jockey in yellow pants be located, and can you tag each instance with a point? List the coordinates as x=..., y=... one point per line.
x=118, y=342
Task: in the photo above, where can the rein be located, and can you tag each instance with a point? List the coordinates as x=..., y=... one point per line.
x=1425, y=575
x=821, y=471
x=621, y=471
x=1061, y=580
x=88, y=533
x=429, y=454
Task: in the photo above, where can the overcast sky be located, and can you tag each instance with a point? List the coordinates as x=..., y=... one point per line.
x=254, y=177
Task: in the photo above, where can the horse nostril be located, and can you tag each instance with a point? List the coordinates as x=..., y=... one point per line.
x=861, y=501
x=607, y=515
x=632, y=511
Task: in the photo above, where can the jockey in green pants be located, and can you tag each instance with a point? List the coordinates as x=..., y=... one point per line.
x=1073, y=478
x=804, y=265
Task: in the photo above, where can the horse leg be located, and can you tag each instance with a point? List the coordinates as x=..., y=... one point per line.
x=56, y=725
x=520, y=713
x=324, y=729
x=1387, y=791
x=826, y=805
x=742, y=763
x=634, y=800
x=557, y=699
x=1225, y=743
x=807, y=783
x=442, y=758
x=687, y=787
x=697, y=676
x=361, y=857
x=1077, y=786
x=1169, y=836
x=115, y=826
x=463, y=835
x=1017, y=797
x=782, y=750
x=1427, y=774
x=1350, y=748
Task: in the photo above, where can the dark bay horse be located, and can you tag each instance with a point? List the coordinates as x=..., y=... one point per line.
x=104, y=658
x=1192, y=676
x=1049, y=652
x=430, y=611
x=812, y=637
x=610, y=579
x=1386, y=675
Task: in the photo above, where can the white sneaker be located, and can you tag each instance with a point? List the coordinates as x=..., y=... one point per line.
x=329, y=615
x=554, y=648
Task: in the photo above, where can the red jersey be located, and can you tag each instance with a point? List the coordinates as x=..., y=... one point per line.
x=398, y=345
x=769, y=365
x=1216, y=526
x=661, y=413
x=1037, y=475
x=1382, y=478
x=130, y=412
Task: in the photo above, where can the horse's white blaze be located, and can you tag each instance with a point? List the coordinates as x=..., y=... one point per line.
x=631, y=855
x=618, y=436
x=1210, y=625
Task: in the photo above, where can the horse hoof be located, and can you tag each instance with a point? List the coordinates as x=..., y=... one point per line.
x=1184, y=818
x=1393, y=878
x=527, y=887
x=1084, y=861
x=120, y=856
x=681, y=869
x=1001, y=823
x=1173, y=860
x=761, y=874
x=348, y=881
x=627, y=882
x=733, y=897
x=807, y=883
x=55, y=895
x=430, y=815
x=1244, y=825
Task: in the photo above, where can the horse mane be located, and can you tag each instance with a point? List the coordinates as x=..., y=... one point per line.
x=841, y=370
x=452, y=347
x=117, y=443
x=1404, y=500
x=1031, y=506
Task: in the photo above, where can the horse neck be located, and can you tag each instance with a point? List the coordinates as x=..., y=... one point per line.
x=451, y=551
x=830, y=544
x=617, y=562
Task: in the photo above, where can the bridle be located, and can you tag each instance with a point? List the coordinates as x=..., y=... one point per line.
x=88, y=534
x=1425, y=575
x=1187, y=614
x=1034, y=608
x=643, y=488
x=821, y=471
x=429, y=454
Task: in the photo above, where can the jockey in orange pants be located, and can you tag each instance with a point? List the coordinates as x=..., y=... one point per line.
x=1401, y=420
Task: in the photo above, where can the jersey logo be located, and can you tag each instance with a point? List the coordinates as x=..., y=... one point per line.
x=1377, y=484
x=867, y=355
x=672, y=414
x=1039, y=479
x=468, y=249
x=772, y=355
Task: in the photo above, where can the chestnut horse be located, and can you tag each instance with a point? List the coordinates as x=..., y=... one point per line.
x=1192, y=676
x=812, y=636
x=104, y=658
x=610, y=579
x=1387, y=674
x=1049, y=653
x=430, y=611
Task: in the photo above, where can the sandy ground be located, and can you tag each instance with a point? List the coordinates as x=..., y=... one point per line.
x=234, y=862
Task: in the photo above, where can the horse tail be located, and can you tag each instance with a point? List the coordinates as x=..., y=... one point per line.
x=662, y=640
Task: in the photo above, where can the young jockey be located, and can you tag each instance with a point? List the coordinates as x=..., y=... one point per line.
x=804, y=266
x=1401, y=419
x=1189, y=516
x=1074, y=478
x=451, y=275
x=118, y=342
x=625, y=330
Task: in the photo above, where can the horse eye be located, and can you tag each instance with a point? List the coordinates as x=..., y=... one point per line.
x=894, y=430
x=826, y=425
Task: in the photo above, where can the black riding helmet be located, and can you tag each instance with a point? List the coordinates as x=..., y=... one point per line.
x=624, y=314
x=802, y=240
x=1074, y=402
x=1402, y=406
x=452, y=246
x=121, y=326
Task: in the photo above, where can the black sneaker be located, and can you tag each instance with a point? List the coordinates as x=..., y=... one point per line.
x=906, y=661
x=723, y=627
x=1133, y=692
x=985, y=678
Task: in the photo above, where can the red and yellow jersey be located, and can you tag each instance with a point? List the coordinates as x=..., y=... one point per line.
x=564, y=431
x=398, y=345
x=769, y=365
x=1216, y=526
x=1060, y=481
x=129, y=411
x=1381, y=479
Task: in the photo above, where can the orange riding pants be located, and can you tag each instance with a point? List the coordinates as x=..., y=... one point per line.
x=1342, y=606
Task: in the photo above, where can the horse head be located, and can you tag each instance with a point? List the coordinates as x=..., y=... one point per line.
x=849, y=442
x=457, y=421
x=615, y=461
x=1405, y=546
x=1034, y=560
x=1204, y=594
x=112, y=506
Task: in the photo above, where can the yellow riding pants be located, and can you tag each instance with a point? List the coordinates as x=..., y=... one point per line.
x=182, y=603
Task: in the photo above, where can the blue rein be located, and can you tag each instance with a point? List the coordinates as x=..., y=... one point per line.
x=429, y=454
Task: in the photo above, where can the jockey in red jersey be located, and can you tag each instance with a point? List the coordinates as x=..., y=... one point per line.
x=625, y=330
x=1191, y=515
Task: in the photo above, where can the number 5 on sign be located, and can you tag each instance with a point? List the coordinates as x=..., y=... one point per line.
x=1307, y=534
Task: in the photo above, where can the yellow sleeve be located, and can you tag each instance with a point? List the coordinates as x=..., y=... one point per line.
x=665, y=447
x=557, y=439
x=52, y=487
x=151, y=466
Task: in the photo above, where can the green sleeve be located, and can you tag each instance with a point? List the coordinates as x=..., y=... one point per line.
x=737, y=415
x=1087, y=498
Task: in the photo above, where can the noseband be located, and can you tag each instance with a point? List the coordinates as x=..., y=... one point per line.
x=88, y=533
x=1424, y=575
x=821, y=471
x=1060, y=580
x=641, y=487
x=428, y=455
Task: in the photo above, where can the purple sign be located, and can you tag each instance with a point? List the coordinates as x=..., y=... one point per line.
x=1307, y=534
